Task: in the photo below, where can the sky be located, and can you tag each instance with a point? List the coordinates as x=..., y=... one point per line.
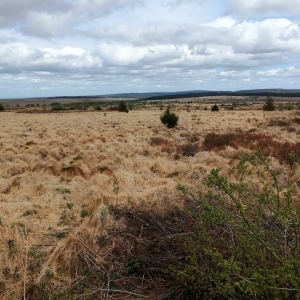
x=97, y=47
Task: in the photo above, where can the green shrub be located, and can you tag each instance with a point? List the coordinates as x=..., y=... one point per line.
x=269, y=104
x=1, y=107
x=169, y=119
x=58, y=107
x=63, y=190
x=245, y=240
x=84, y=213
x=122, y=107
x=31, y=212
x=70, y=205
x=215, y=108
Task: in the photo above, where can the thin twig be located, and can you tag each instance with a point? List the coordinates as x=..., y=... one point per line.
x=112, y=291
x=26, y=262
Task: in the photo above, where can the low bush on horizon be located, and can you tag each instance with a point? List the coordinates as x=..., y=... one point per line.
x=58, y=107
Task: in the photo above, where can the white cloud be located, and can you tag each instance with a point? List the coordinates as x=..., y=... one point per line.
x=50, y=52
x=222, y=22
x=269, y=72
x=270, y=35
x=122, y=44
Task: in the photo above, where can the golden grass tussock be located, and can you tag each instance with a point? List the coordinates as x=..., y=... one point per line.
x=5, y=185
x=65, y=180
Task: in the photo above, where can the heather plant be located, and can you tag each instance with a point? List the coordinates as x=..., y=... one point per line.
x=169, y=119
x=188, y=149
x=253, y=141
x=245, y=240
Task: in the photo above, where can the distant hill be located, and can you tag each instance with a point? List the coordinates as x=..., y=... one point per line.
x=177, y=95
x=261, y=92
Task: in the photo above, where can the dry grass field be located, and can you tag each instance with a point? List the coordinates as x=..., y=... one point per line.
x=65, y=178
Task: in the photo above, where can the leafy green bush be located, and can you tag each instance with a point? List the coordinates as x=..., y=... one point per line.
x=269, y=104
x=245, y=243
x=1, y=107
x=215, y=108
x=169, y=119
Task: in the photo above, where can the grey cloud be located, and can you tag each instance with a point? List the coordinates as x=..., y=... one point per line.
x=14, y=12
x=158, y=34
x=56, y=18
x=45, y=25
x=263, y=7
x=98, y=8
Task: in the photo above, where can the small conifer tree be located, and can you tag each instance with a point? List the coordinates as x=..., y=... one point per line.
x=269, y=104
x=169, y=119
x=215, y=108
x=122, y=107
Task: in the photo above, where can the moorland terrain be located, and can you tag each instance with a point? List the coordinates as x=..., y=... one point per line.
x=89, y=207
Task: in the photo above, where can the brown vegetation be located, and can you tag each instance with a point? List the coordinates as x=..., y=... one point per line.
x=88, y=204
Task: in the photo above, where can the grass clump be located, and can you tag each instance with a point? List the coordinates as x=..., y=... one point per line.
x=279, y=123
x=32, y=212
x=158, y=141
x=169, y=119
x=63, y=191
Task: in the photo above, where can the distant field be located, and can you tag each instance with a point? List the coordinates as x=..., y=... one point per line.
x=217, y=99
x=62, y=174
x=48, y=101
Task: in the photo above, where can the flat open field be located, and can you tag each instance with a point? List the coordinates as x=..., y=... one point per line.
x=210, y=99
x=61, y=173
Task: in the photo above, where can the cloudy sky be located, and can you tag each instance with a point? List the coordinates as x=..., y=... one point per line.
x=93, y=47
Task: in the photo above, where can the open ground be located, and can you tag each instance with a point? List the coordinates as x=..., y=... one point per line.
x=65, y=178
